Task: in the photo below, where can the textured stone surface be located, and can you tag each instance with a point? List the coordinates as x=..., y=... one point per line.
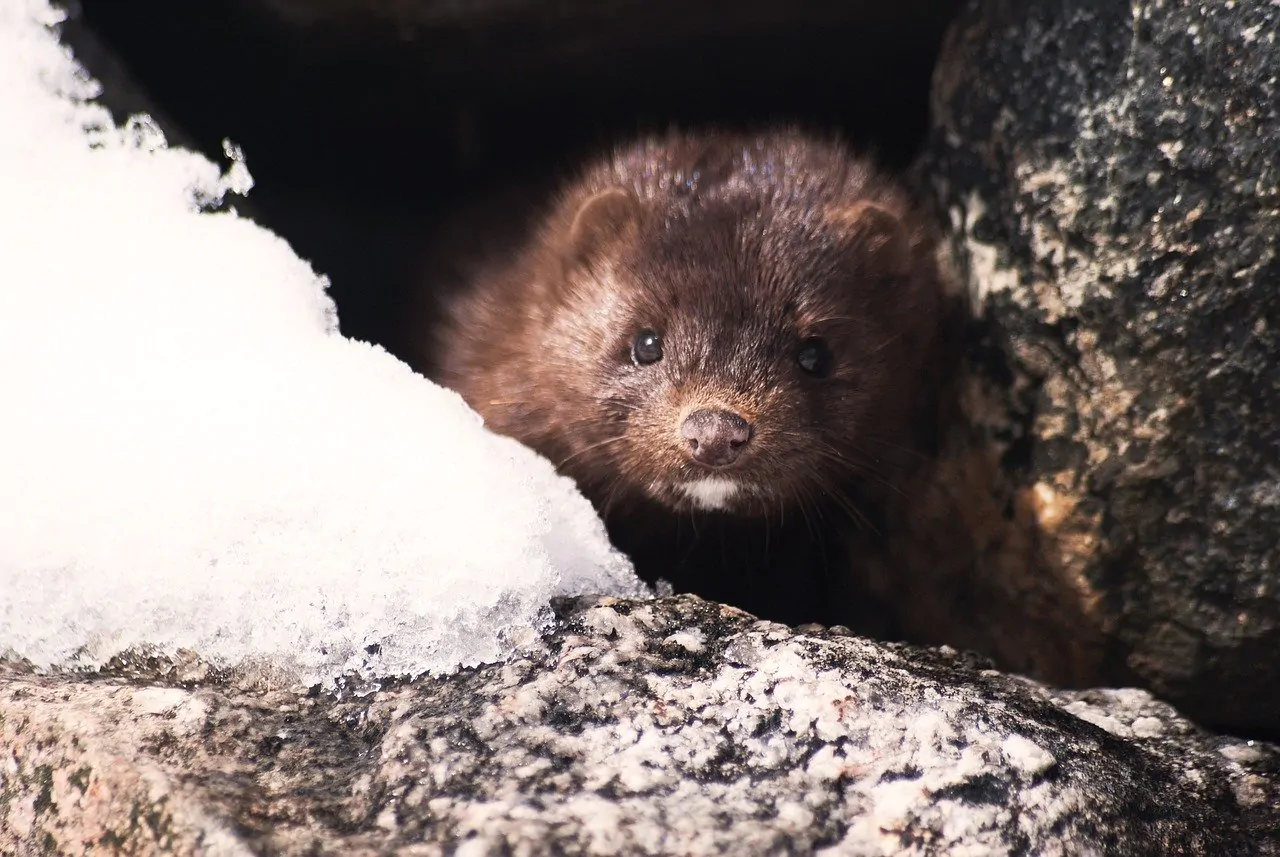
x=1111, y=174
x=668, y=727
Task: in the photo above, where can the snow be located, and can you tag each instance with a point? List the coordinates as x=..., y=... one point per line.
x=192, y=457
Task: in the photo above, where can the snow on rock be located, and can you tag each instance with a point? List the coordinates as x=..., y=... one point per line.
x=191, y=455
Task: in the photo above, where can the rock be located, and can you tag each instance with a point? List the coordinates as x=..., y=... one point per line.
x=1111, y=176
x=675, y=726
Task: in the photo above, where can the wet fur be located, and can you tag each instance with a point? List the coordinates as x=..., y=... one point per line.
x=739, y=247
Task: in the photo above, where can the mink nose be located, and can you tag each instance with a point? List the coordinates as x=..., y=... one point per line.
x=716, y=438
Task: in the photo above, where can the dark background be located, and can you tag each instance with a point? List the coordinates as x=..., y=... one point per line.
x=364, y=122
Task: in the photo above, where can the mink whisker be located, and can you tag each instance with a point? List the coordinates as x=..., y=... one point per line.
x=587, y=449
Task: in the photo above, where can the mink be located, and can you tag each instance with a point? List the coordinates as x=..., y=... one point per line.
x=722, y=338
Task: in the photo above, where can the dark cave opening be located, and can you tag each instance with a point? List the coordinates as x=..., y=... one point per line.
x=364, y=123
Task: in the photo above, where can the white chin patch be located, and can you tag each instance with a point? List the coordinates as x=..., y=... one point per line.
x=712, y=493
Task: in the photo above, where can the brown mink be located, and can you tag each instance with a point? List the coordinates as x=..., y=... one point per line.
x=721, y=338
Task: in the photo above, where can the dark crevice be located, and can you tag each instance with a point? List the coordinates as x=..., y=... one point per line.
x=363, y=127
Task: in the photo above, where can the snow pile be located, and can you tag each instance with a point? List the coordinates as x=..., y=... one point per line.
x=191, y=455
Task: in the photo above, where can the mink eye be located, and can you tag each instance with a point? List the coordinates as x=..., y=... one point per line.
x=814, y=357
x=646, y=348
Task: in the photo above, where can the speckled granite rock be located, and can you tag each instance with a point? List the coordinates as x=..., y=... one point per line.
x=667, y=727
x=1111, y=174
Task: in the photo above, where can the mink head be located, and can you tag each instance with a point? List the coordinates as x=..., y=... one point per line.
x=736, y=323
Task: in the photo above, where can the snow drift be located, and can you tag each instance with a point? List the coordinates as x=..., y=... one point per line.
x=191, y=456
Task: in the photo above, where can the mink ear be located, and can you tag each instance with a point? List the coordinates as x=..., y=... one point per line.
x=601, y=222
x=874, y=229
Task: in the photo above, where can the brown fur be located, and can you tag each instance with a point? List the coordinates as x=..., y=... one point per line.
x=735, y=248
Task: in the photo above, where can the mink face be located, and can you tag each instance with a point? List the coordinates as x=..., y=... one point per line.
x=733, y=324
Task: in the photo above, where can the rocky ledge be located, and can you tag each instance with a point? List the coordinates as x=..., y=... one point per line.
x=674, y=726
